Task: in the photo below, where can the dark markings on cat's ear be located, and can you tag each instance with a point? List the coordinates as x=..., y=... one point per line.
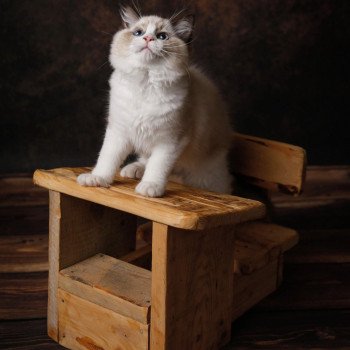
x=184, y=28
x=129, y=16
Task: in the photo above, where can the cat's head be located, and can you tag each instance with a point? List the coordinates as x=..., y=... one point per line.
x=150, y=41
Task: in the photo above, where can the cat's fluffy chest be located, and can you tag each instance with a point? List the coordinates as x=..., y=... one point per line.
x=147, y=109
x=142, y=98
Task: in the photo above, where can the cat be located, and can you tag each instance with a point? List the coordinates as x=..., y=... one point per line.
x=163, y=109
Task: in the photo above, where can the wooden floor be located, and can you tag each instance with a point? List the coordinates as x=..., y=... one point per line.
x=311, y=310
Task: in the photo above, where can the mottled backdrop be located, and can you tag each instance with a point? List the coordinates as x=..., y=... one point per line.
x=282, y=65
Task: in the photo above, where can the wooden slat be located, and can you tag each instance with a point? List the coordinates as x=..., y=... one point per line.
x=24, y=220
x=112, y=284
x=26, y=335
x=269, y=164
x=79, y=230
x=181, y=207
x=191, y=288
x=250, y=289
x=257, y=243
x=19, y=190
x=321, y=329
x=85, y=325
x=140, y=257
x=321, y=246
x=26, y=253
x=23, y=295
x=324, y=286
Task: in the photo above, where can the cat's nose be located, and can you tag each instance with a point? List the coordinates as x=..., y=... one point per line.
x=148, y=38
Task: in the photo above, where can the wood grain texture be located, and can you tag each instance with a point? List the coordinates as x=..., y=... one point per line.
x=106, y=330
x=23, y=295
x=257, y=243
x=192, y=288
x=112, y=284
x=23, y=220
x=269, y=164
x=16, y=191
x=250, y=289
x=298, y=330
x=321, y=246
x=181, y=207
x=25, y=253
x=78, y=230
x=324, y=204
x=324, y=286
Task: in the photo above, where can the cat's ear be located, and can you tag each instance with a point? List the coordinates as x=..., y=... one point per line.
x=129, y=16
x=184, y=28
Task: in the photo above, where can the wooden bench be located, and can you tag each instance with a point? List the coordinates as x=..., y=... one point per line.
x=205, y=259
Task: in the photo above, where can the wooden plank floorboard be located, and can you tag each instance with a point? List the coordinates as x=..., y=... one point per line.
x=325, y=329
x=321, y=246
x=23, y=253
x=311, y=286
x=22, y=220
x=23, y=295
x=26, y=335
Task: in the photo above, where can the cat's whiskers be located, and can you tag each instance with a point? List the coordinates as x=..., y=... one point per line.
x=102, y=31
x=184, y=44
x=182, y=63
x=176, y=14
x=173, y=52
x=102, y=65
x=137, y=8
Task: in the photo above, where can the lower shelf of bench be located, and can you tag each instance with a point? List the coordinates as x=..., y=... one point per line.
x=105, y=303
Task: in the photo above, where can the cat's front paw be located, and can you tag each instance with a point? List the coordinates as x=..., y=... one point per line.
x=133, y=171
x=150, y=189
x=89, y=179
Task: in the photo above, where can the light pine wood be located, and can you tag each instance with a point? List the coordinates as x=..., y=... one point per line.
x=181, y=207
x=269, y=164
x=23, y=253
x=54, y=258
x=79, y=230
x=268, y=234
x=192, y=288
x=256, y=244
x=84, y=325
x=250, y=289
x=111, y=283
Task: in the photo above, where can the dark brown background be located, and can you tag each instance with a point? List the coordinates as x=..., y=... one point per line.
x=282, y=65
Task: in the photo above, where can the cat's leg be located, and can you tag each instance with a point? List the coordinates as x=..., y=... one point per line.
x=115, y=149
x=134, y=170
x=158, y=169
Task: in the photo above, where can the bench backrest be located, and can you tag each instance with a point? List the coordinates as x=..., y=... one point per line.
x=269, y=164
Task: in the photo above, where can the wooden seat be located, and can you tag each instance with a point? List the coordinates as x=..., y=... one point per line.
x=211, y=259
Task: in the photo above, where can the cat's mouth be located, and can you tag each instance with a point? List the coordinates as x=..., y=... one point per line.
x=146, y=49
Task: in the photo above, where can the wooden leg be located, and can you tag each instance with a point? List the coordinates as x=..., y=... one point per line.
x=192, y=288
x=78, y=230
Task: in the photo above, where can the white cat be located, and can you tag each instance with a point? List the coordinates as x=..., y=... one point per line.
x=167, y=112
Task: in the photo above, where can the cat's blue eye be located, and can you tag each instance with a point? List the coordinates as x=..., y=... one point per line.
x=162, y=36
x=138, y=32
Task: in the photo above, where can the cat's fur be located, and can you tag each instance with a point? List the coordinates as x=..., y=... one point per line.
x=166, y=111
